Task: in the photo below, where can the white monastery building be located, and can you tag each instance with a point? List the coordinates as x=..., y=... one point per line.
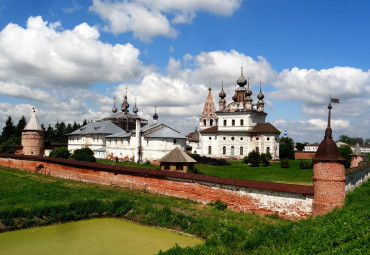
x=236, y=128
x=133, y=140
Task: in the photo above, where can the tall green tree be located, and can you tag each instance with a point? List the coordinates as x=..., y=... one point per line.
x=8, y=129
x=346, y=152
x=20, y=126
x=299, y=146
x=351, y=140
x=286, y=148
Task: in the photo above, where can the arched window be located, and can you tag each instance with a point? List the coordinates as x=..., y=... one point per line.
x=268, y=150
x=211, y=122
x=257, y=149
x=232, y=151
x=241, y=151
x=241, y=122
x=204, y=122
x=224, y=150
x=224, y=123
x=233, y=122
x=209, y=149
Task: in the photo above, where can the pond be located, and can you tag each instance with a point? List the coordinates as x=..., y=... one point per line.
x=95, y=236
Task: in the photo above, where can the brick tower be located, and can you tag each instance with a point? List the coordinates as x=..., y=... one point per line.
x=208, y=118
x=328, y=174
x=33, y=137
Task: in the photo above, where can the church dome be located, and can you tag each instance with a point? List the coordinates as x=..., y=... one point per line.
x=260, y=95
x=222, y=94
x=241, y=81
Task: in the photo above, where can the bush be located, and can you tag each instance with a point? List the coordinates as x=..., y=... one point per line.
x=284, y=163
x=265, y=158
x=10, y=145
x=246, y=160
x=219, y=205
x=305, y=164
x=254, y=158
x=60, y=152
x=345, y=152
x=84, y=154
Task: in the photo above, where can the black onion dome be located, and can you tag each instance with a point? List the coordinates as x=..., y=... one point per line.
x=135, y=110
x=241, y=81
x=248, y=92
x=222, y=93
x=155, y=116
x=260, y=95
x=114, y=109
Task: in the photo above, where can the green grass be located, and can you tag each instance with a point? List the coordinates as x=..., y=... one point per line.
x=272, y=173
x=344, y=231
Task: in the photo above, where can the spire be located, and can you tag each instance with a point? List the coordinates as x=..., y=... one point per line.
x=222, y=102
x=222, y=94
x=33, y=123
x=208, y=116
x=135, y=110
x=114, y=109
x=125, y=105
x=260, y=96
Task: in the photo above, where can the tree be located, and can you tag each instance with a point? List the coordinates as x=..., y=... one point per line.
x=60, y=152
x=351, y=140
x=20, y=126
x=286, y=148
x=84, y=154
x=367, y=141
x=84, y=123
x=9, y=128
x=10, y=145
x=300, y=146
x=346, y=152
x=254, y=158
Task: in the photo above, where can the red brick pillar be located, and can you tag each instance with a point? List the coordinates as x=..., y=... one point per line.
x=328, y=177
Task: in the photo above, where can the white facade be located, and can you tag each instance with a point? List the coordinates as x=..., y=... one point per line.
x=92, y=141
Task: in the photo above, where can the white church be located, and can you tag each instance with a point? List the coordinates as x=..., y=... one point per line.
x=236, y=128
x=139, y=142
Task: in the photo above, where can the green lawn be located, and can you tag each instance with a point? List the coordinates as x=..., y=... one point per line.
x=272, y=173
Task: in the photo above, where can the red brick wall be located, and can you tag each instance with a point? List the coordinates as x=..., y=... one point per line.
x=304, y=155
x=286, y=200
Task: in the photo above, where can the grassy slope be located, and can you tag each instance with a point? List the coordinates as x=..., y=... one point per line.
x=272, y=173
x=344, y=231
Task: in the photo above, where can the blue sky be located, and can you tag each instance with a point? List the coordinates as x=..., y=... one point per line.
x=70, y=58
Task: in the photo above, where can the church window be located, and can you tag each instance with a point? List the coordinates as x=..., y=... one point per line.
x=232, y=151
x=257, y=149
x=268, y=138
x=232, y=138
x=224, y=123
x=224, y=150
x=204, y=122
x=174, y=141
x=233, y=122
x=268, y=150
x=224, y=138
x=211, y=122
x=210, y=138
x=178, y=166
x=241, y=151
x=241, y=138
x=241, y=122
x=257, y=138
x=209, y=149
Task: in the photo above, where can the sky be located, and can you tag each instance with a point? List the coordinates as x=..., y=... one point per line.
x=70, y=58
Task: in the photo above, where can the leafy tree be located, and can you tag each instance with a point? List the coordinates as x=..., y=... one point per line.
x=346, y=152
x=286, y=148
x=60, y=152
x=265, y=158
x=9, y=128
x=84, y=154
x=300, y=146
x=254, y=158
x=351, y=140
x=20, y=126
x=10, y=145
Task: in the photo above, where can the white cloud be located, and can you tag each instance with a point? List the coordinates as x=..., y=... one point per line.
x=149, y=18
x=41, y=55
x=22, y=91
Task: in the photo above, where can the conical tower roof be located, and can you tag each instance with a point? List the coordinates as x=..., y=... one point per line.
x=209, y=110
x=33, y=123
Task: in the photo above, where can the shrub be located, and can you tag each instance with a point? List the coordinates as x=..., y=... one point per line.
x=254, y=158
x=10, y=145
x=304, y=164
x=345, y=152
x=284, y=163
x=246, y=160
x=60, y=152
x=265, y=158
x=219, y=205
x=84, y=154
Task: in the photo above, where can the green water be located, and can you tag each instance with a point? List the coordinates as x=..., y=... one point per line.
x=96, y=236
